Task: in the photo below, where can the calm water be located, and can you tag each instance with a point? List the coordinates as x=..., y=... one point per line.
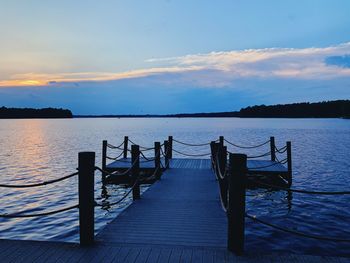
x=36, y=150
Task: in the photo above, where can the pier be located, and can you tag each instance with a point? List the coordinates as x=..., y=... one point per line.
x=193, y=212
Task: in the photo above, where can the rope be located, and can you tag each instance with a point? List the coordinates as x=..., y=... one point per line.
x=19, y=214
x=115, y=147
x=39, y=184
x=147, y=159
x=258, y=156
x=281, y=150
x=190, y=144
x=130, y=190
x=247, y=147
x=116, y=172
x=254, y=218
x=301, y=191
x=115, y=158
x=187, y=154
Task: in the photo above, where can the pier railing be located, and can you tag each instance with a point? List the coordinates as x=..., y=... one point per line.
x=233, y=180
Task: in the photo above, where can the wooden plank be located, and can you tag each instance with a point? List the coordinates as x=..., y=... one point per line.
x=181, y=209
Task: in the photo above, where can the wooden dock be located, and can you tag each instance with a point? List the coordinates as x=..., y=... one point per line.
x=178, y=219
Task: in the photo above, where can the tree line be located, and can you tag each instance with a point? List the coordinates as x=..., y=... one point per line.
x=29, y=113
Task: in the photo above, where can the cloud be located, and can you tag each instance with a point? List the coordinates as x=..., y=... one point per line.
x=215, y=69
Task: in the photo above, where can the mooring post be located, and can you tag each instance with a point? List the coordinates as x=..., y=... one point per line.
x=224, y=158
x=170, y=140
x=236, y=203
x=86, y=168
x=135, y=170
x=126, y=141
x=212, y=145
x=166, y=152
x=221, y=141
x=289, y=163
x=272, y=148
x=104, y=160
x=157, y=160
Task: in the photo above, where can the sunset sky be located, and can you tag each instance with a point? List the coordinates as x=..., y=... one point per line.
x=132, y=57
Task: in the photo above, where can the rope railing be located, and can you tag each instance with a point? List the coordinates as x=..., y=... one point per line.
x=287, y=230
x=115, y=158
x=191, y=144
x=115, y=147
x=246, y=147
x=300, y=190
x=259, y=156
x=129, y=191
x=222, y=184
x=116, y=172
x=38, y=184
x=193, y=155
x=281, y=150
x=24, y=214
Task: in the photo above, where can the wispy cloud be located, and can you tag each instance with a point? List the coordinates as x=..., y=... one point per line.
x=217, y=69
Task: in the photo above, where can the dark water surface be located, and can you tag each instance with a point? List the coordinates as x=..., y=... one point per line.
x=37, y=150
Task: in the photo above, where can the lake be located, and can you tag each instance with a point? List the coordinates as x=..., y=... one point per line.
x=37, y=150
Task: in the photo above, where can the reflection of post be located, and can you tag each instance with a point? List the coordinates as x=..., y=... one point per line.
x=289, y=163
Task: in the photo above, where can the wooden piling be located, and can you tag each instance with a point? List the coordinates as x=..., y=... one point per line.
x=104, y=160
x=166, y=153
x=273, y=148
x=126, y=141
x=135, y=170
x=221, y=141
x=170, y=140
x=86, y=168
x=214, y=148
x=236, y=203
x=289, y=163
x=157, y=159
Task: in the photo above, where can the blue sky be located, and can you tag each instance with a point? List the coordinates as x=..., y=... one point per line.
x=120, y=57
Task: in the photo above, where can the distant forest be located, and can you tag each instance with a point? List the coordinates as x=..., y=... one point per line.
x=325, y=109
x=28, y=113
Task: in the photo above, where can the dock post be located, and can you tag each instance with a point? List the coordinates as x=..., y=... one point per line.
x=289, y=163
x=86, y=168
x=166, y=152
x=104, y=160
x=125, y=152
x=170, y=140
x=272, y=148
x=221, y=141
x=135, y=170
x=157, y=159
x=214, y=149
x=236, y=202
